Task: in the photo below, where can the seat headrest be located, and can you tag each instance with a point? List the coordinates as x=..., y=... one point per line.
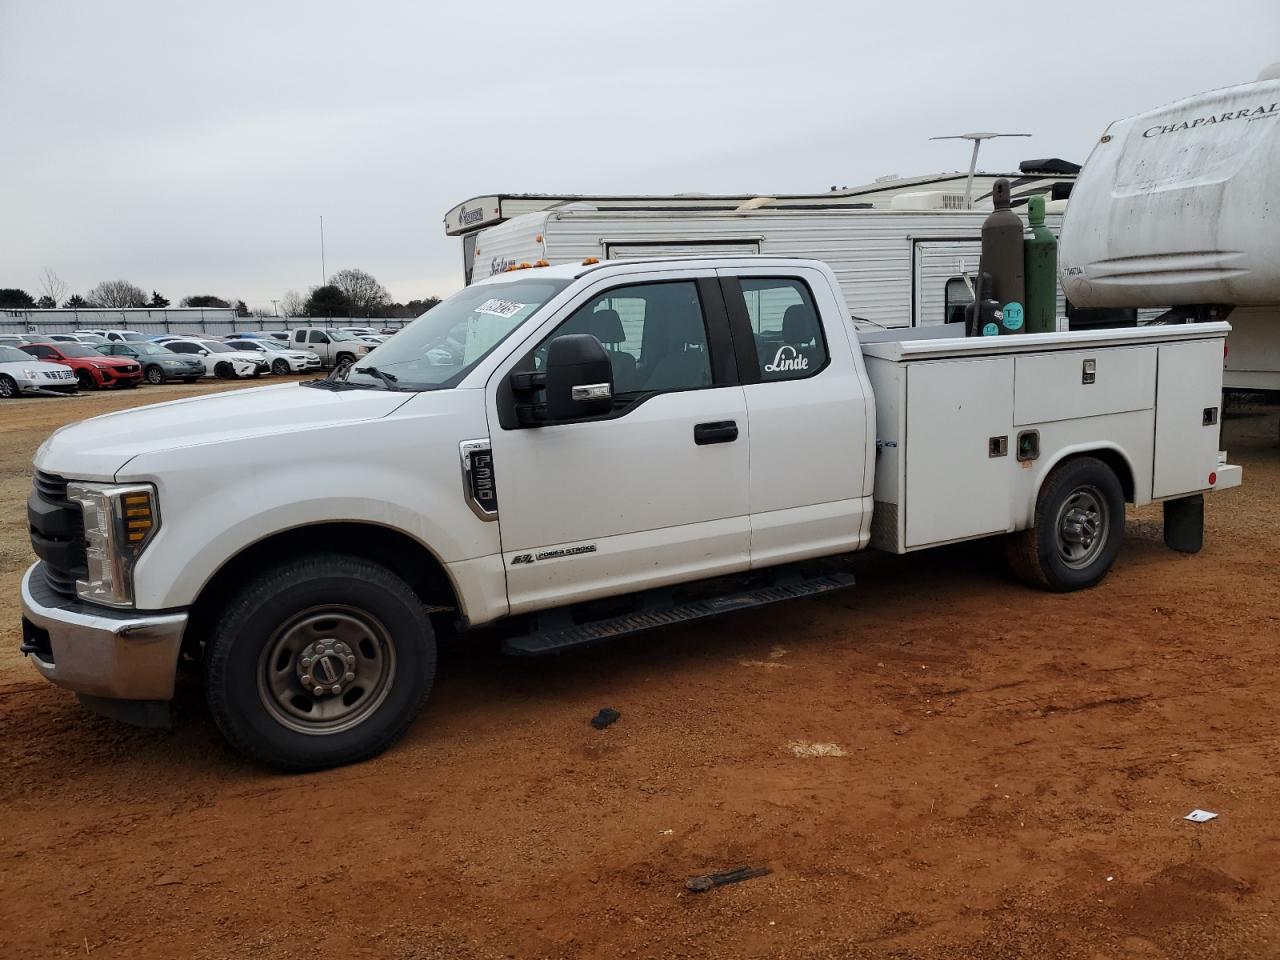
x=606, y=326
x=799, y=325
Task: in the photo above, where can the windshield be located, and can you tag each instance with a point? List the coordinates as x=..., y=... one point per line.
x=441, y=346
x=147, y=349
x=75, y=350
x=13, y=355
x=214, y=347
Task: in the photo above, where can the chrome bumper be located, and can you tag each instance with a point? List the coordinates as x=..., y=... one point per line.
x=116, y=654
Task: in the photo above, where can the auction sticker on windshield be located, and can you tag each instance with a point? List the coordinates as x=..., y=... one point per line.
x=500, y=308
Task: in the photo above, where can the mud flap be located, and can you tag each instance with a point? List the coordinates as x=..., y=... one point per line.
x=1184, y=524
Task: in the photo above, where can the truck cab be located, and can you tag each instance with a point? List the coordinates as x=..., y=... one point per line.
x=566, y=454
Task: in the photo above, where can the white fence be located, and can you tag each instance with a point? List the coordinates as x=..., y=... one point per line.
x=213, y=320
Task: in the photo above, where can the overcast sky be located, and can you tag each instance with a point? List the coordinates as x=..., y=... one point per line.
x=191, y=148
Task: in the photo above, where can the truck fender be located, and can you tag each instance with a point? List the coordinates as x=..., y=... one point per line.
x=1107, y=451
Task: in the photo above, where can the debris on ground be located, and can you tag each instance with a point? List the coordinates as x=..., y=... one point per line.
x=709, y=880
x=1200, y=816
x=802, y=749
x=605, y=717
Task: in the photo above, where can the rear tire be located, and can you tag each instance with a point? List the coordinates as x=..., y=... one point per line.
x=1077, y=531
x=311, y=614
x=8, y=387
x=155, y=376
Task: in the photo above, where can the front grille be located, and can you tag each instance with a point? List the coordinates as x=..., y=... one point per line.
x=57, y=532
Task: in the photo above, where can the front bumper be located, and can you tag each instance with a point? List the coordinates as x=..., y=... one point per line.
x=97, y=651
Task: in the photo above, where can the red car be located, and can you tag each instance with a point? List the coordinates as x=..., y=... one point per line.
x=92, y=369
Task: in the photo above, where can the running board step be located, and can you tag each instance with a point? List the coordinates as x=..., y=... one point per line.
x=568, y=636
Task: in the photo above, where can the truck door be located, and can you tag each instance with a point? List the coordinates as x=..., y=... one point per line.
x=809, y=405
x=656, y=492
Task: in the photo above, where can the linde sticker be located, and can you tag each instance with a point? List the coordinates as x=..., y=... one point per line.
x=500, y=308
x=786, y=359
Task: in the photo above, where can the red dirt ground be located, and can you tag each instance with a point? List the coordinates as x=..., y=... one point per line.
x=1014, y=774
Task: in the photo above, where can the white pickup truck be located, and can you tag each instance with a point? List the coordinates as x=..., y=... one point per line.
x=564, y=452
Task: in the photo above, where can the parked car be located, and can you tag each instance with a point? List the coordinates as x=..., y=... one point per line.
x=283, y=358
x=92, y=369
x=96, y=333
x=220, y=360
x=12, y=339
x=126, y=336
x=159, y=364
x=92, y=339
x=373, y=339
x=281, y=335
x=336, y=348
x=359, y=331
x=21, y=373
x=657, y=424
x=57, y=338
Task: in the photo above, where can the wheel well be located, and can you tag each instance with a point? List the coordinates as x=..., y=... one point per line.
x=1116, y=461
x=400, y=553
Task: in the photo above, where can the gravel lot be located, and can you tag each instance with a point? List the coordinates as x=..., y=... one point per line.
x=998, y=773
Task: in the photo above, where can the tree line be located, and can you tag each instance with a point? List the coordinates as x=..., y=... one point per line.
x=349, y=293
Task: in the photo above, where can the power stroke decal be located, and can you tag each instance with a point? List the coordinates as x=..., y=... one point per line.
x=1249, y=113
x=523, y=558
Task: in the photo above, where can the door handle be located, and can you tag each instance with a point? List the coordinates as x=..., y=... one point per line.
x=718, y=431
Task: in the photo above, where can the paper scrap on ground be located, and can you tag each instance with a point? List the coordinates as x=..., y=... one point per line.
x=801, y=749
x=1200, y=816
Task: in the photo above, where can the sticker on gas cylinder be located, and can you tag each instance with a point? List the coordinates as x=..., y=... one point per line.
x=990, y=330
x=1013, y=316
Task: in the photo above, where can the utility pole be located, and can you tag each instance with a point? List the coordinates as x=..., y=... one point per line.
x=977, y=139
x=274, y=312
x=324, y=274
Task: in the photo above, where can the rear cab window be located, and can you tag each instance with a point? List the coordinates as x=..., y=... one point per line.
x=789, y=340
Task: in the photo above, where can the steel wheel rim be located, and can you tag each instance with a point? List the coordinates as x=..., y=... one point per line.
x=339, y=642
x=1083, y=522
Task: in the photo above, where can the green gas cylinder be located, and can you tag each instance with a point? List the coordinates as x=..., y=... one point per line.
x=1040, y=256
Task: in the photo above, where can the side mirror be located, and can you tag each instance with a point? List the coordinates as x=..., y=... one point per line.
x=204, y=353
x=579, y=378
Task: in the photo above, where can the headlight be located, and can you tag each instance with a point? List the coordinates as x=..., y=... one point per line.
x=119, y=521
x=28, y=374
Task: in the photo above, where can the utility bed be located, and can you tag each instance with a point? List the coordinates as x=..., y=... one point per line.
x=966, y=428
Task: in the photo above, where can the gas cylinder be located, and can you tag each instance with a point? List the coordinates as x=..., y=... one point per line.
x=1040, y=257
x=1002, y=258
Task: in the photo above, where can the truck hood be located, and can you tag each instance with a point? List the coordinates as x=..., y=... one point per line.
x=99, y=448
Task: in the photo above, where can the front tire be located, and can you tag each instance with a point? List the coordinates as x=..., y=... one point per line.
x=320, y=662
x=155, y=376
x=280, y=367
x=8, y=387
x=1078, y=528
x=224, y=371
x=86, y=381
x=343, y=361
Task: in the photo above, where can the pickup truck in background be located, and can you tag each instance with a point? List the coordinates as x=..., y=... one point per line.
x=569, y=454
x=336, y=348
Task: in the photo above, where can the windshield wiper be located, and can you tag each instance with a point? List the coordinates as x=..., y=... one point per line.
x=389, y=379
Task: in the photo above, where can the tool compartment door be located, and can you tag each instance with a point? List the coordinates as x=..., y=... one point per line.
x=955, y=487
x=1188, y=393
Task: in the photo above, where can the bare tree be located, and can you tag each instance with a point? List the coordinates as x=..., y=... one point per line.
x=293, y=304
x=363, y=292
x=116, y=294
x=52, y=285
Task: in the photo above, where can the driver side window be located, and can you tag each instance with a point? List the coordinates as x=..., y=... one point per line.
x=654, y=333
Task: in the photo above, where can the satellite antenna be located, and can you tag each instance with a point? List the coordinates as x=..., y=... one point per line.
x=977, y=139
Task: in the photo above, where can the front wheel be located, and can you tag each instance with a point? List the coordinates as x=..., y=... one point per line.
x=8, y=387
x=155, y=375
x=320, y=662
x=224, y=371
x=280, y=367
x=86, y=381
x=1077, y=531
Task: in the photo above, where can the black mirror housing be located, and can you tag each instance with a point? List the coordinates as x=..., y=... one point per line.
x=579, y=378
